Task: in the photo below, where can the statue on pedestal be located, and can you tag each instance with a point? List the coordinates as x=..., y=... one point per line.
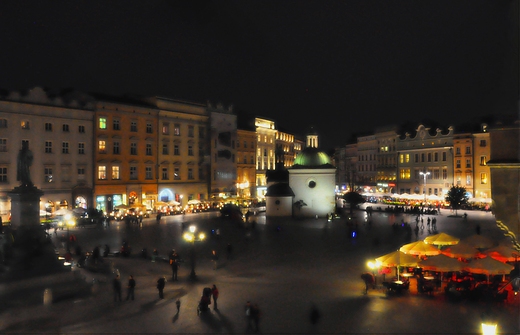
x=25, y=159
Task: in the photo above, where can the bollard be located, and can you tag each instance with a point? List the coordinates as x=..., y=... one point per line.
x=47, y=297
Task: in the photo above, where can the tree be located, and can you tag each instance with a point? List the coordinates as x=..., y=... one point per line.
x=457, y=197
x=354, y=199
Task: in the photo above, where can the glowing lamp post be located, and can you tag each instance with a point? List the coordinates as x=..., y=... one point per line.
x=374, y=266
x=425, y=175
x=191, y=237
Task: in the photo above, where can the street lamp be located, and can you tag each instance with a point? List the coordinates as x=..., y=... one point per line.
x=425, y=175
x=190, y=236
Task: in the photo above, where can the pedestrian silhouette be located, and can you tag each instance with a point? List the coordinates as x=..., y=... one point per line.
x=130, y=288
x=314, y=314
x=161, y=282
x=116, y=283
x=178, y=304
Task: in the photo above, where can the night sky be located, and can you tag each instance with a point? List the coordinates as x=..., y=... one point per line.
x=343, y=67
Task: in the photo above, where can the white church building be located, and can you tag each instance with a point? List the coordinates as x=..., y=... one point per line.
x=310, y=188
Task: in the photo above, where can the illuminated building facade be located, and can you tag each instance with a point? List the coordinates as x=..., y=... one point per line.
x=265, y=152
x=183, y=151
x=223, y=139
x=58, y=131
x=246, y=167
x=386, y=160
x=285, y=143
x=428, y=154
x=482, y=172
x=367, y=162
x=125, y=153
x=463, y=162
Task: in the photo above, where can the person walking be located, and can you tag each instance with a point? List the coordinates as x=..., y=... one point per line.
x=175, y=267
x=229, y=249
x=255, y=316
x=161, y=282
x=214, y=293
x=116, y=284
x=130, y=288
x=214, y=257
x=314, y=315
x=249, y=318
x=178, y=304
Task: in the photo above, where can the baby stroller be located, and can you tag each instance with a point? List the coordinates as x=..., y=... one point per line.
x=205, y=301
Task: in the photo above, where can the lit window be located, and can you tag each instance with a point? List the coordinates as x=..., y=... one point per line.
x=102, y=172
x=405, y=173
x=177, y=129
x=48, y=174
x=483, y=160
x=483, y=178
x=102, y=147
x=102, y=123
x=25, y=125
x=115, y=172
x=166, y=128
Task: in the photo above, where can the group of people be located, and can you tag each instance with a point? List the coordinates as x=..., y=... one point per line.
x=116, y=283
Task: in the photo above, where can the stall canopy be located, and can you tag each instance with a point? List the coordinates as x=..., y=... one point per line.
x=420, y=248
x=479, y=241
x=503, y=254
x=488, y=266
x=396, y=259
x=441, y=239
x=461, y=250
x=442, y=263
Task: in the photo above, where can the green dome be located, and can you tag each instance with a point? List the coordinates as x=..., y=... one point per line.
x=312, y=158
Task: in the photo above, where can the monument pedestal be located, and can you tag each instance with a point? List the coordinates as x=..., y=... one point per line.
x=31, y=253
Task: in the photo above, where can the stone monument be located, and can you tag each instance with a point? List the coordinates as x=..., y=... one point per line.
x=30, y=252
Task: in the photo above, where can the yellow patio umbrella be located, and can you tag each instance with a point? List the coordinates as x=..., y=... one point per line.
x=420, y=248
x=396, y=259
x=441, y=239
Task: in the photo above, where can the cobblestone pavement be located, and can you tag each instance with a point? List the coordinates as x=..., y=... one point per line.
x=283, y=265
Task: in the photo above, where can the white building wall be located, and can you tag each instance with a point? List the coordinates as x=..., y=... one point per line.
x=320, y=199
x=283, y=208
